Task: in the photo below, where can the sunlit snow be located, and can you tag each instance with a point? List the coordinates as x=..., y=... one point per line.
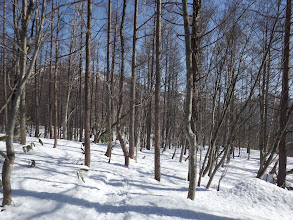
x=52, y=189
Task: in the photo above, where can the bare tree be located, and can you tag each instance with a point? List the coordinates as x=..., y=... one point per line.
x=121, y=89
x=80, y=77
x=50, y=108
x=191, y=137
x=281, y=179
x=55, y=88
x=151, y=61
x=4, y=67
x=69, y=83
x=158, y=92
x=27, y=12
x=87, y=122
x=108, y=83
x=133, y=84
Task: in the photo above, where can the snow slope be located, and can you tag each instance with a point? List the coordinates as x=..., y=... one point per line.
x=51, y=189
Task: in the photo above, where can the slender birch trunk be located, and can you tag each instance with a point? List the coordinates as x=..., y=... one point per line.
x=133, y=84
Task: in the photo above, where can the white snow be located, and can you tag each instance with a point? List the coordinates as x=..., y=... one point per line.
x=51, y=189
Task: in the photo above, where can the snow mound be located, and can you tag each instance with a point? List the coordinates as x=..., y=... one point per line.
x=260, y=191
x=254, y=192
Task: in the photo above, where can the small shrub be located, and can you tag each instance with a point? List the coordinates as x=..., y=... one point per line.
x=104, y=138
x=28, y=148
x=33, y=163
x=40, y=141
x=80, y=174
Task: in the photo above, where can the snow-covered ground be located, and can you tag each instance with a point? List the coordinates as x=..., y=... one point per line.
x=52, y=190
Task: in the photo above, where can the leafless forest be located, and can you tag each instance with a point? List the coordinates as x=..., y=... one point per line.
x=157, y=74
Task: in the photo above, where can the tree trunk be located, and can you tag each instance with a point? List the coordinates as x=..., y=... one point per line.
x=80, y=80
x=22, y=110
x=27, y=11
x=56, y=83
x=4, y=68
x=263, y=136
x=158, y=93
x=37, y=102
x=23, y=60
x=281, y=178
x=133, y=83
x=108, y=86
x=191, y=137
x=87, y=86
x=69, y=86
x=121, y=90
x=50, y=116
x=150, y=88
x=8, y=164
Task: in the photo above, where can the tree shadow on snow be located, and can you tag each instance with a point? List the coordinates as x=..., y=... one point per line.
x=62, y=200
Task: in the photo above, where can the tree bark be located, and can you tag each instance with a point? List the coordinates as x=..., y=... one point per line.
x=37, y=101
x=150, y=88
x=121, y=90
x=191, y=137
x=108, y=86
x=80, y=79
x=4, y=68
x=27, y=11
x=158, y=93
x=56, y=83
x=23, y=60
x=281, y=178
x=87, y=86
x=22, y=110
x=133, y=84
